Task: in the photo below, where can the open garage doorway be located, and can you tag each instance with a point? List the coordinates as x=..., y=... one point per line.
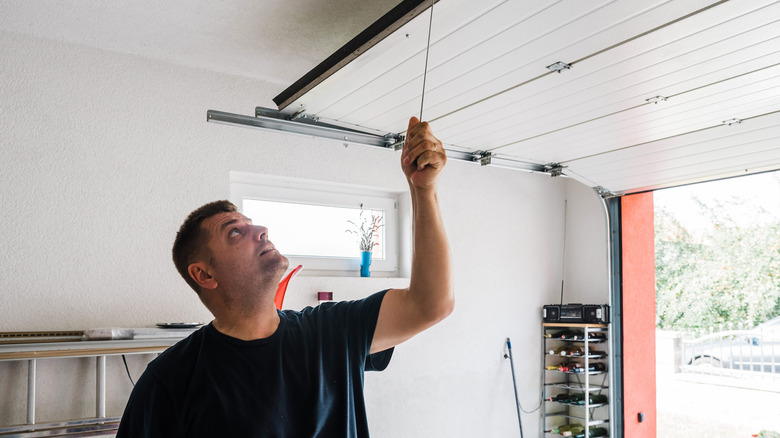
x=717, y=278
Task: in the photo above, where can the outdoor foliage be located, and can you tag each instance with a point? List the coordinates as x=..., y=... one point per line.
x=727, y=273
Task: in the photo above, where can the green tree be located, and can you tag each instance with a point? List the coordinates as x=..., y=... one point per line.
x=729, y=273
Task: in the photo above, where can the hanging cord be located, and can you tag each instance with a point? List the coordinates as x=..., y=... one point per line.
x=128, y=370
x=563, y=258
x=425, y=72
x=508, y=355
x=514, y=385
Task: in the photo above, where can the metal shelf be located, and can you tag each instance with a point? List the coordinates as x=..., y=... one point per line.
x=577, y=387
x=33, y=351
x=570, y=380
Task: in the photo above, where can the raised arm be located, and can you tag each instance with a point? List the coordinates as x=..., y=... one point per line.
x=429, y=297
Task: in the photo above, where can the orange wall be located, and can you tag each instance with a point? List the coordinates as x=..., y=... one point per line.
x=638, y=265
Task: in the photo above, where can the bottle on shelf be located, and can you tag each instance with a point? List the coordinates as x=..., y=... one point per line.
x=594, y=432
x=567, y=430
x=566, y=366
x=594, y=367
x=560, y=351
x=576, y=399
x=594, y=399
x=567, y=335
x=596, y=353
x=576, y=351
x=560, y=398
x=596, y=336
x=570, y=367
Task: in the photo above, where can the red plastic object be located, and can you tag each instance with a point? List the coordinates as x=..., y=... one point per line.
x=282, y=288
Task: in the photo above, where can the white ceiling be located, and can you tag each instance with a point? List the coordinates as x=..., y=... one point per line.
x=487, y=86
x=272, y=40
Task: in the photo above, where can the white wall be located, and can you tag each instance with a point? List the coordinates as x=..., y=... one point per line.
x=586, y=277
x=104, y=154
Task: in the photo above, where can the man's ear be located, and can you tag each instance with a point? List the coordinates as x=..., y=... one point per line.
x=200, y=273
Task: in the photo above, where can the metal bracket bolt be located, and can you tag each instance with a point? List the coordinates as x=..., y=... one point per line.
x=559, y=67
x=603, y=192
x=554, y=169
x=656, y=99
x=482, y=157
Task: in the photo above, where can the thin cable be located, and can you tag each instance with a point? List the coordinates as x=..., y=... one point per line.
x=425, y=72
x=563, y=259
x=128, y=370
x=514, y=385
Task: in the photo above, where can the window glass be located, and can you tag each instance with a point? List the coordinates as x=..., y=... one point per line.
x=308, y=230
x=318, y=224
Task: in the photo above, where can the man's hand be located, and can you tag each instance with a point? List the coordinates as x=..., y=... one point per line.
x=423, y=156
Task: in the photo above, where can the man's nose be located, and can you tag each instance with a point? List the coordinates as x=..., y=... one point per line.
x=261, y=232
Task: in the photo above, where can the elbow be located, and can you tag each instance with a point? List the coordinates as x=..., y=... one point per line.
x=442, y=310
x=449, y=308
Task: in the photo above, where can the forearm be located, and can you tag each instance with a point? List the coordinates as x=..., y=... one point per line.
x=430, y=286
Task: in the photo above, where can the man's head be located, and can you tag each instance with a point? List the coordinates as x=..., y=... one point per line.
x=191, y=242
x=218, y=248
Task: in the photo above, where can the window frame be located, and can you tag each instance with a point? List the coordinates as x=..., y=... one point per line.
x=245, y=185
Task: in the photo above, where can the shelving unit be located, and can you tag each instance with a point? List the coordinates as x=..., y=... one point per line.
x=574, y=380
x=50, y=349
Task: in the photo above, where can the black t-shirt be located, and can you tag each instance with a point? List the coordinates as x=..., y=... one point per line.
x=305, y=380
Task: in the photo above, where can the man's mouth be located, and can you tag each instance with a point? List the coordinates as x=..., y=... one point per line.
x=269, y=248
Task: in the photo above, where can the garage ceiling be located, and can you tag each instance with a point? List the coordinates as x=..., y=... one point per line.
x=651, y=93
x=659, y=93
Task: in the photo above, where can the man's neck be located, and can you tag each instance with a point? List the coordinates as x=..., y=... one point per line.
x=259, y=325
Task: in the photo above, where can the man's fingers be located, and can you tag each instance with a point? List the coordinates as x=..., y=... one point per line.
x=419, y=140
x=412, y=121
x=419, y=147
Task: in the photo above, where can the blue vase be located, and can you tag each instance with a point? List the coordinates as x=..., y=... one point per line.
x=365, y=263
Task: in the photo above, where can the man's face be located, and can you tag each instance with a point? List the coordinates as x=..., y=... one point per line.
x=242, y=255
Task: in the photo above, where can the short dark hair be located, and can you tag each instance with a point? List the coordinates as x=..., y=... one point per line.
x=191, y=241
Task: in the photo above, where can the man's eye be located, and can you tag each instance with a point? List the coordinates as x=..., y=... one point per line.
x=234, y=232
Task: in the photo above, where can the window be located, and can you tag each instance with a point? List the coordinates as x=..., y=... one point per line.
x=308, y=221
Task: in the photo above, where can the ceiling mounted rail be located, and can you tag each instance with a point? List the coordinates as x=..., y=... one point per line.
x=272, y=120
x=312, y=126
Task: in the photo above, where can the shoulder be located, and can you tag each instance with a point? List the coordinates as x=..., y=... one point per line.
x=369, y=304
x=170, y=364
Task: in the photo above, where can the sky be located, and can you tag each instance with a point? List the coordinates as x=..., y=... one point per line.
x=757, y=190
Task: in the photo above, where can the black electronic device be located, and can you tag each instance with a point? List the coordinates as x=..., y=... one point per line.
x=576, y=313
x=598, y=314
x=551, y=313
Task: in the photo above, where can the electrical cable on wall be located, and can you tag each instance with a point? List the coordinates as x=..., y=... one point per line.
x=128, y=370
x=508, y=355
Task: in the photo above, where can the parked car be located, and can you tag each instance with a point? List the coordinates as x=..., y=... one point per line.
x=757, y=349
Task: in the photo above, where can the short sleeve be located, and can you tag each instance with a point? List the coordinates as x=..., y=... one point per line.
x=379, y=361
x=370, y=306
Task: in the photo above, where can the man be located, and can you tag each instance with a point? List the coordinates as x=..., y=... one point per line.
x=255, y=371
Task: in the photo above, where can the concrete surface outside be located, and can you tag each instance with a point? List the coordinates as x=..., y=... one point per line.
x=709, y=405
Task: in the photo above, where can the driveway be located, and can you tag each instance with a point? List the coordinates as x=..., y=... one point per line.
x=716, y=407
